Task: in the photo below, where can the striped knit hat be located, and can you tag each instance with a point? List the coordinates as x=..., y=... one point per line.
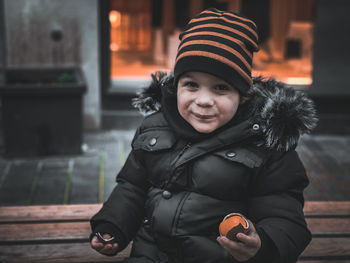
x=219, y=43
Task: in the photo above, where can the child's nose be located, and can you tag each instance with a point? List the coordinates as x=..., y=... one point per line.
x=204, y=98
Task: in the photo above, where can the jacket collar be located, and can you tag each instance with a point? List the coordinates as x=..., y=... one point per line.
x=280, y=113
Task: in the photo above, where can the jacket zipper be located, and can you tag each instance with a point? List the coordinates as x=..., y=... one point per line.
x=177, y=213
x=184, y=149
x=184, y=197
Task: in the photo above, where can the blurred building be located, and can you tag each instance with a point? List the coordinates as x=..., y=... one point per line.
x=118, y=43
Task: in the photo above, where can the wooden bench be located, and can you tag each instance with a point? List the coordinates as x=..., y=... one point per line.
x=60, y=234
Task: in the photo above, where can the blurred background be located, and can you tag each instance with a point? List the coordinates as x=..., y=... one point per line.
x=69, y=69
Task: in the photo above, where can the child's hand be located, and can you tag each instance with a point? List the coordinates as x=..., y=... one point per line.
x=248, y=246
x=105, y=249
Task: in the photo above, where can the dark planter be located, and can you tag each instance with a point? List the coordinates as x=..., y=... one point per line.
x=42, y=111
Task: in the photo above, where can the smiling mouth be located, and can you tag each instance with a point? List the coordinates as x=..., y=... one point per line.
x=203, y=117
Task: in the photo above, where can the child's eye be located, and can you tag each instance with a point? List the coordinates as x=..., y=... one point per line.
x=221, y=88
x=190, y=84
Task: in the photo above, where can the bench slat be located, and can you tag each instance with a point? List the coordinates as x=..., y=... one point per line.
x=84, y=212
x=66, y=231
x=330, y=226
x=47, y=213
x=327, y=248
x=47, y=232
x=49, y=253
x=327, y=208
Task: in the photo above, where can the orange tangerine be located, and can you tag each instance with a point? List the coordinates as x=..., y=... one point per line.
x=232, y=221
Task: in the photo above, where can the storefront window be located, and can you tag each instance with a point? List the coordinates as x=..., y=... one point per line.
x=144, y=36
x=132, y=43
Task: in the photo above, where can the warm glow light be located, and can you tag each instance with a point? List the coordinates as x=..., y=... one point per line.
x=114, y=47
x=114, y=18
x=298, y=81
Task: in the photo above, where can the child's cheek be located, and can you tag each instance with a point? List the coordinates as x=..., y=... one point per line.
x=183, y=104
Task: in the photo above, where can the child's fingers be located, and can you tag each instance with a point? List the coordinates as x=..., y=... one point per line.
x=239, y=250
x=251, y=240
x=236, y=249
x=109, y=249
x=251, y=228
x=96, y=243
x=229, y=245
x=106, y=249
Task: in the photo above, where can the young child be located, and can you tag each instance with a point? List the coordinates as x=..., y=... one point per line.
x=217, y=142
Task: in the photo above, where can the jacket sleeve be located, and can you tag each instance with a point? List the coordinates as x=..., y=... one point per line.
x=124, y=208
x=276, y=204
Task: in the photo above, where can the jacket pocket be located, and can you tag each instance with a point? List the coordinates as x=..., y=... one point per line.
x=154, y=140
x=241, y=155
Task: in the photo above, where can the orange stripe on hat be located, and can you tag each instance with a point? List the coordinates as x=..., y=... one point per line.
x=218, y=12
x=227, y=28
x=195, y=20
x=235, y=40
x=219, y=45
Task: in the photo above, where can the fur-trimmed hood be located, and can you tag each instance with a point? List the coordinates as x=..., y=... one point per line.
x=282, y=113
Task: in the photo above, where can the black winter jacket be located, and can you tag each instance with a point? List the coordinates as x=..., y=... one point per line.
x=172, y=195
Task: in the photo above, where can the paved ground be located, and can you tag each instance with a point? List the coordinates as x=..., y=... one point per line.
x=327, y=162
x=86, y=178
x=90, y=177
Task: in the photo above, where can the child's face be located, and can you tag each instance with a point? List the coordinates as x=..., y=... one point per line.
x=205, y=101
